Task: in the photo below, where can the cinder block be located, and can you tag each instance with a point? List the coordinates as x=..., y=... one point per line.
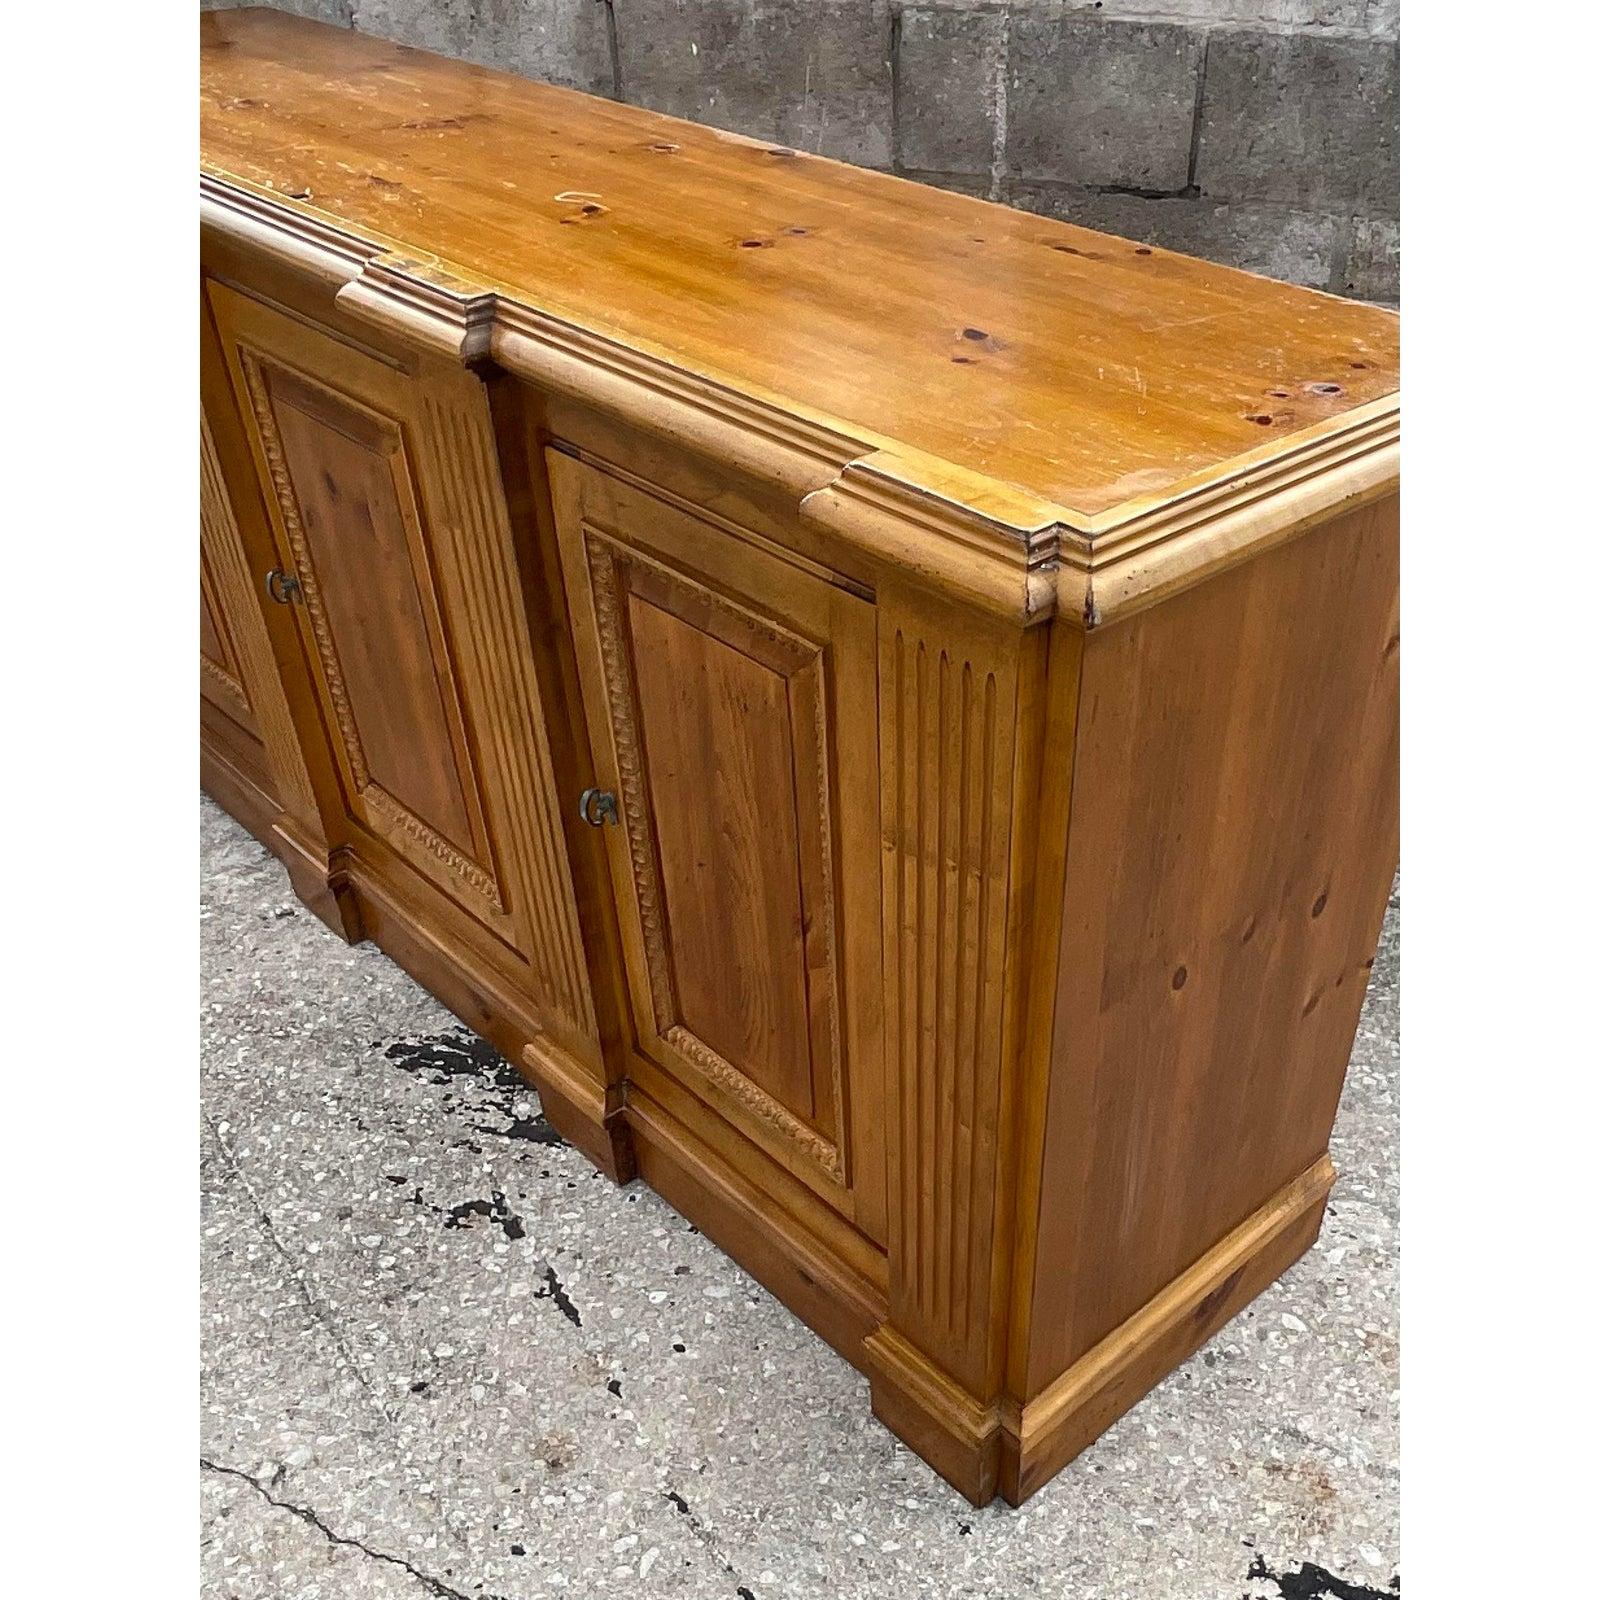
x=336, y=11
x=1097, y=102
x=1348, y=14
x=1276, y=241
x=955, y=183
x=1280, y=242
x=560, y=41
x=447, y=26
x=1372, y=270
x=1382, y=19
x=809, y=73
x=1311, y=122
x=948, y=83
x=1176, y=223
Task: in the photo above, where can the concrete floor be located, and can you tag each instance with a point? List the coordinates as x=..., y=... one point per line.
x=441, y=1356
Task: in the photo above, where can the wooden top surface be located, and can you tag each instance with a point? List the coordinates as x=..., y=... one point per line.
x=1081, y=369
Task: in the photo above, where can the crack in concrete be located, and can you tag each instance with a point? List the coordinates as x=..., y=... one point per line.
x=703, y=1535
x=435, y=1586
x=315, y=1304
x=321, y=1311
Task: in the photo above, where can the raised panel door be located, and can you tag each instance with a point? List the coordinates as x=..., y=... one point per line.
x=730, y=700
x=395, y=543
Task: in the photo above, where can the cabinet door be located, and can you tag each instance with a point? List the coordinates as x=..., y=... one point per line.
x=221, y=675
x=389, y=518
x=730, y=695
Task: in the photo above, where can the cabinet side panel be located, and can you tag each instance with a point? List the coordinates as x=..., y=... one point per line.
x=1234, y=834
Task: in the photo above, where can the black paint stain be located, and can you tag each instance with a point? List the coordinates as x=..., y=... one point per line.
x=457, y=1053
x=459, y=1056
x=615, y=1387
x=553, y=1290
x=494, y=1208
x=1312, y=1582
x=534, y=1129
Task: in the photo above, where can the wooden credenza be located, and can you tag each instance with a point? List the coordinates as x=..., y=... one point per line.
x=883, y=705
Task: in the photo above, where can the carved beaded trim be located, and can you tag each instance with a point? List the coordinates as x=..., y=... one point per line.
x=226, y=684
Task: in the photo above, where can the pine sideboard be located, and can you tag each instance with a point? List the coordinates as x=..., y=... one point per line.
x=884, y=706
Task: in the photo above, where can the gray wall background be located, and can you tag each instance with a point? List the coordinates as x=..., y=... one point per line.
x=1263, y=133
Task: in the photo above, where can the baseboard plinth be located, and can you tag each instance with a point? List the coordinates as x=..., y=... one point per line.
x=1041, y=1437
x=585, y=1112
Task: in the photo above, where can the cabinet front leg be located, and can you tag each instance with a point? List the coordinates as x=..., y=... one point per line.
x=584, y=1111
x=319, y=880
x=951, y=695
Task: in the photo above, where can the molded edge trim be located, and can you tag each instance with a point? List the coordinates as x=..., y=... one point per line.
x=1109, y=1379
x=999, y=546
x=1016, y=1449
x=1154, y=548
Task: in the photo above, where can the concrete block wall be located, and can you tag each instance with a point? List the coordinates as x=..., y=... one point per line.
x=1263, y=133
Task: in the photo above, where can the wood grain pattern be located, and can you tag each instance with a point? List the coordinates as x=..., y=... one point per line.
x=389, y=511
x=347, y=500
x=728, y=853
x=1043, y=1435
x=706, y=868
x=727, y=846
x=1084, y=369
x=1233, y=838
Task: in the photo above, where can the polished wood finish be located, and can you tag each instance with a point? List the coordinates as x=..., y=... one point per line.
x=977, y=639
x=1083, y=368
